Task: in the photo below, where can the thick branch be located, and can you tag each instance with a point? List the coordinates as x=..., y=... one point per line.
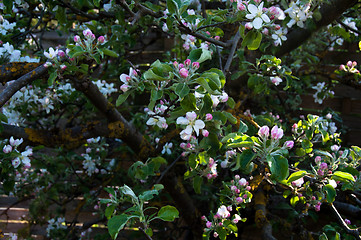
x=119, y=126
x=20, y=82
x=329, y=12
x=14, y=70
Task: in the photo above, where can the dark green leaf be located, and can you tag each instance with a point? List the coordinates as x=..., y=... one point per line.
x=168, y=213
x=197, y=183
x=117, y=223
x=330, y=193
x=278, y=166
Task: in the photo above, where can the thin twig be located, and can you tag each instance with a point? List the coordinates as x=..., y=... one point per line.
x=167, y=169
x=235, y=41
x=354, y=232
x=145, y=234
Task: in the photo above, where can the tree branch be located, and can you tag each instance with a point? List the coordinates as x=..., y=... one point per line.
x=354, y=232
x=235, y=41
x=20, y=82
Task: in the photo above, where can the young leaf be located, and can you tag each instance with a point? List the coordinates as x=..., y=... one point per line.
x=168, y=213
x=296, y=175
x=117, y=223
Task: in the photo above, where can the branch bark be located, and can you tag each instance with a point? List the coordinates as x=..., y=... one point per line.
x=20, y=82
x=118, y=125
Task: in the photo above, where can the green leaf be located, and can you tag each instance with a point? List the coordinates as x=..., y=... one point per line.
x=128, y=191
x=3, y=118
x=230, y=117
x=330, y=193
x=122, y=98
x=168, y=213
x=252, y=40
x=197, y=183
x=52, y=77
x=156, y=94
x=150, y=75
x=109, y=211
x=240, y=141
x=207, y=105
x=189, y=103
x=148, y=195
x=117, y=223
x=296, y=175
x=242, y=127
x=278, y=166
x=204, y=83
x=200, y=55
x=172, y=7
x=182, y=89
x=244, y=159
x=342, y=176
x=109, y=52
x=294, y=200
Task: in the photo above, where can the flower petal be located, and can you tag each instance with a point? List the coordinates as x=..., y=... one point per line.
x=257, y=23
x=182, y=121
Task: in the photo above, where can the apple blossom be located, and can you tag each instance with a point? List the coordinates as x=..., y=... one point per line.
x=256, y=13
x=223, y=212
x=276, y=80
x=191, y=122
x=51, y=54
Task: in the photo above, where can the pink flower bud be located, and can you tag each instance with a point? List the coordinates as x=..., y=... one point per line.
x=7, y=149
x=289, y=144
x=183, y=73
x=187, y=62
x=349, y=64
x=61, y=53
x=348, y=222
x=277, y=27
x=242, y=182
x=354, y=64
x=195, y=65
x=203, y=218
x=208, y=224
x=320, y=172
x=205, y=133
x=263, y=132
x=47, y=64
x=317, y=159
x=217, y=38
x=342, y=67
x=101, y=39
x=249, y=26
x=209, y=176
x=276, y=133
x=265, y=31
x=239, y=200
x=241, y=7
x=77, y=39
x=323, y=166
x=209, y=117
x=211, y=161
x=63, y=67
x=124, y=87
x=237, y=177
x=183, y=145
x=248, y=188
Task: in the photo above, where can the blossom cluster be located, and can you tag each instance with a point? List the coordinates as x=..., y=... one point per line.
x=21, y=157
x=55, y=224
